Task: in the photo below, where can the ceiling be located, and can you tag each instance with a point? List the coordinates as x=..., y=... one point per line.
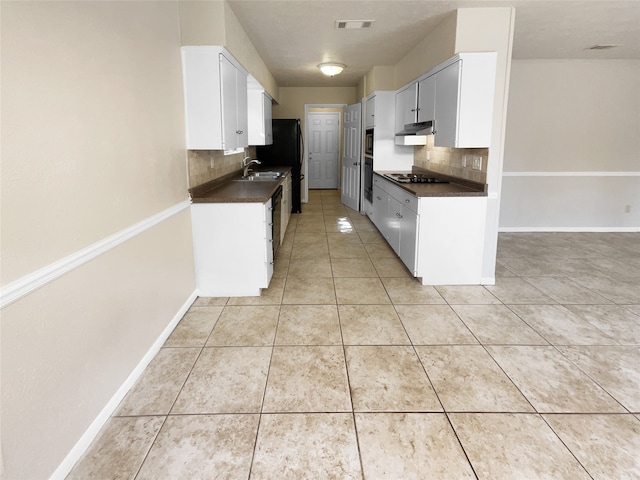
x=294, y=36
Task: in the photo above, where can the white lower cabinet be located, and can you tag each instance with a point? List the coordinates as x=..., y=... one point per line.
x=439, y=239
x=233, y=249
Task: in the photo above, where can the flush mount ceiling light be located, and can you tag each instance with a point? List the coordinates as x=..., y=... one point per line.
x=331, y=69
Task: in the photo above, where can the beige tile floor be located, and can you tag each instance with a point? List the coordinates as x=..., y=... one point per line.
x=346, y=367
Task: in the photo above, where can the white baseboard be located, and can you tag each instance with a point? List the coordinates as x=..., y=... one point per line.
x=488, y=281
x=569, y=229
x=91, y=433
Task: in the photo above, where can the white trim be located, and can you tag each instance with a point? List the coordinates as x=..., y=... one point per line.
x=91, y=433
x=490, y=281
x=569, y=229
x=571, y=174
x=29, y=283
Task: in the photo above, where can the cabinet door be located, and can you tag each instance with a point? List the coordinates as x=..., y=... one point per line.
x=394, y=224
x=229, y=105
x=370, y=113
x=242, y=127
x=427, y=99
x=203, y=108
x=234, y=105
x=268, y=124
x=259, y=118
x=380, y=207
x=406, y=106
x=409, y=239
x=447, y=105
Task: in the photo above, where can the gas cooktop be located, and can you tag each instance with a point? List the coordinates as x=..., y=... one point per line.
x=413, y=178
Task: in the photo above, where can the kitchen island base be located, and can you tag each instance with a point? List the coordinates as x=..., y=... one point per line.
x=439, y=237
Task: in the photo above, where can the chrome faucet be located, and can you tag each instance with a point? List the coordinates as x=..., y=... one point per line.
x=246, y=165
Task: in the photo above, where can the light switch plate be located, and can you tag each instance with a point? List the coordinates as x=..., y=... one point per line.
x=477, y=163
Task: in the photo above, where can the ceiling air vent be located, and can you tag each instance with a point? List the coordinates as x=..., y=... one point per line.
x=604, y=46
x=354, y=24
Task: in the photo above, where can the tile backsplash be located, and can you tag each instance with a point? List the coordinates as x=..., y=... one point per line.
x=449, y=160
x=199, y=162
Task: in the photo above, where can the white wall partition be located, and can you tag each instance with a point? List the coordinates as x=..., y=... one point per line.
x=572, y=150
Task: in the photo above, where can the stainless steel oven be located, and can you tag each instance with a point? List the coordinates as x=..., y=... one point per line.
x=368, y=178
x=368, y=142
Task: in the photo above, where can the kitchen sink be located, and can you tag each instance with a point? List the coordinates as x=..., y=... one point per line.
x=260, y=177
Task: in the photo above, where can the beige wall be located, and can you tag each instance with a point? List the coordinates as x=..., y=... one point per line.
x=586, y=113
x=379, y=78
x=438, y=46
x=243, y=50
x=212, y=22
x=572, y=150
x=92, y=143
x=202, y=22
x=293, y=99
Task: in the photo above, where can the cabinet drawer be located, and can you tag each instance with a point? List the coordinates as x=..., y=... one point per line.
x=408, y=200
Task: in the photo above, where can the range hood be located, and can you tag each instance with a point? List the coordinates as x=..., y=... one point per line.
x=414, y=133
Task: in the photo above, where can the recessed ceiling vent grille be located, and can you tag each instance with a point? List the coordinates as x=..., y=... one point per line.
x=354, y=24
x=604, y=46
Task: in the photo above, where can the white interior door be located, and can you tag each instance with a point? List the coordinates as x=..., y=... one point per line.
x=350, y=181
x=324, y=149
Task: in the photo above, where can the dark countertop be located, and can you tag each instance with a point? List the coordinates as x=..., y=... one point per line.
x=227, y=190
x=456, y=187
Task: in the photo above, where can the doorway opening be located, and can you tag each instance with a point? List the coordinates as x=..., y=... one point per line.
x=323, y=149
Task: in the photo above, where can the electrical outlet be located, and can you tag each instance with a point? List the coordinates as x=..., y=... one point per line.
x=463, y=163
x=211, y=161
x=477, y=163
x=428, y=155
x=627, y=209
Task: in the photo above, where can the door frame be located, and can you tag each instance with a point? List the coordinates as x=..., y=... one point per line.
x=307, y=107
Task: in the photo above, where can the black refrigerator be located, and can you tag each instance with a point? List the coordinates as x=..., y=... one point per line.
x=287, y=150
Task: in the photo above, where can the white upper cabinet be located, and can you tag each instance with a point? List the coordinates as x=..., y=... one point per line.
x=458, y=96
x=370, y=112
x=406, y=106
x=464, y=101
x=215, y=93
x=259, y=111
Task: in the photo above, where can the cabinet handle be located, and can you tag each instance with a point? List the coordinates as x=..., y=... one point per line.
x=406, y=200
x=356, y=163
x=379, y=198
x=398, y=215
x=413, y=109
x=239, y=132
